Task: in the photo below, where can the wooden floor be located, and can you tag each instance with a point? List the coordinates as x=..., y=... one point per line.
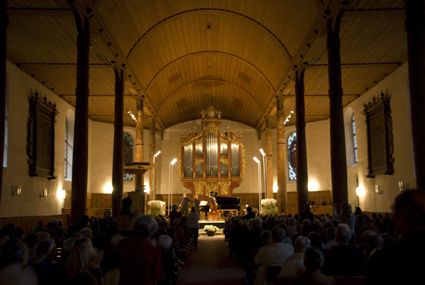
x=211, y=264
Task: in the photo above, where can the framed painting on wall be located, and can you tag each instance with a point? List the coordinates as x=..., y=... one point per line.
x=379, y=136
x=41, y=137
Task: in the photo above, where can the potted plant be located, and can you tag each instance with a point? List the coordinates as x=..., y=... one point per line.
x=210, y=229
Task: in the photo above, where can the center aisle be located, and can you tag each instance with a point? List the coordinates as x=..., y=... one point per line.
x=211, y=264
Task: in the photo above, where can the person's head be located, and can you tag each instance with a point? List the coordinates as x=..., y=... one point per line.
x=82, y=254
x=193, y=209
x=126, y=203
x=249, y=209
x=145, y=226
x=343, y=234
x=13, y=251
x=313, y=258
x=278, y=233
x=409, y=211
x=301, y=243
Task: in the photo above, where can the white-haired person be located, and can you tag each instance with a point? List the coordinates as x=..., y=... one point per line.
x=294, y=265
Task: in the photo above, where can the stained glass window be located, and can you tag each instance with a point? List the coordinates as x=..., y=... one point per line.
x=354, y=138
x=69, y=145
x=292, y=156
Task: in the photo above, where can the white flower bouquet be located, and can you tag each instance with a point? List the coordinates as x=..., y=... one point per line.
x=269, y=207
x=210, y=229
x=156, y=208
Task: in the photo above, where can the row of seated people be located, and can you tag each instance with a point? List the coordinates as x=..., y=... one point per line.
x=94, y=252
x=339, y=249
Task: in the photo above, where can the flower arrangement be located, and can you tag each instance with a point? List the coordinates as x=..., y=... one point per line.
x=269, y=207
x=210, y=229
x=156, y=207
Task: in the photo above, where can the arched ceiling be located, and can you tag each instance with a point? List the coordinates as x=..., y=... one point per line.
x=183, y=55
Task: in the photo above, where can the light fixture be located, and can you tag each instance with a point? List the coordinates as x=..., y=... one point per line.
x=170, y=175
x=16, y=190
x=263, y=154
x=259, y=181
x=156, y=154
x=133, y=117
x=154, y=175
x=288, y=117
x=43, y=193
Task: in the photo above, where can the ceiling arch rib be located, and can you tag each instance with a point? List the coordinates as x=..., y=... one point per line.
x=187, y=103
x=183, y=13
x=183, y=57
x=190, y=33
x=205, y=71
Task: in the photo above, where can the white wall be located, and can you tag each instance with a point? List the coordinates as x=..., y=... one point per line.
x=20, y=87
x=396, y=86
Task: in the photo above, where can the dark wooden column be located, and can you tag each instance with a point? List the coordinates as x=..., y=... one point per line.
x=4, y=21
x=281, y=148
x=117, y=163
x=338, y=154
x=302, y=174
x=415, y=27
x=80, y=154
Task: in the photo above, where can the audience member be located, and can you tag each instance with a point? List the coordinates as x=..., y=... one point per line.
x=13, y=264
x=125, y=220
x=139, y=260
x=313, y=262
x=402, y=262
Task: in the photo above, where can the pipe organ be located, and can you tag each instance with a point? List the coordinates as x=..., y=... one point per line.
x=211, y=159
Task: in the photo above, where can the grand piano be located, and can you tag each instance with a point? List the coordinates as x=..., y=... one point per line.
x=226, y=206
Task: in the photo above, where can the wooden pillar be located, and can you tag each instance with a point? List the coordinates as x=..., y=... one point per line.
x=117, y=163
x=269, y=163
x=138, y=153
x=80, y=154
x=281, y=148
x=415, y=27
x=4, y=21
x=338, y=154
x=301, y=154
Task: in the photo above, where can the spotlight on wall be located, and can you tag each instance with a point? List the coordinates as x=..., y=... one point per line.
x=61, y=194
x=16, y=190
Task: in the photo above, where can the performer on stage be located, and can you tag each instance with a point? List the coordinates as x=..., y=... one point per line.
x=213, y=206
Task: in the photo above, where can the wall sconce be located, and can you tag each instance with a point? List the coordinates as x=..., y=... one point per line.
x=43, y=193
x=378, y=189
x=401, y=186
x=16, y=190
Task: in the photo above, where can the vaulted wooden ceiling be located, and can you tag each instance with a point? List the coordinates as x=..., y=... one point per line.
x=184, y=55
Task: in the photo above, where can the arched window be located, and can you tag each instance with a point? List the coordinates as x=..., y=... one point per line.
x=127, y=148
x=292, y=156
x=354, y=138
x=69, y=145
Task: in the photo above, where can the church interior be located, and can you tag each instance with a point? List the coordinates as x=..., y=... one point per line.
x=254, y=100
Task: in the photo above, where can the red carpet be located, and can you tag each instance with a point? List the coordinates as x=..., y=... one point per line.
x=211, y=264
